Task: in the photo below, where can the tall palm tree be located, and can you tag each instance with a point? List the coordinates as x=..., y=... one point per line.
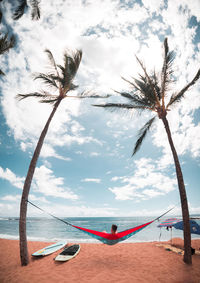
x=5, y=44
x=60, y=79
x=23, y=6
x=149, y=92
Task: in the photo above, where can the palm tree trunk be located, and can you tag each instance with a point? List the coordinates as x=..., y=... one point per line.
x=26, y=189
x=184, y=204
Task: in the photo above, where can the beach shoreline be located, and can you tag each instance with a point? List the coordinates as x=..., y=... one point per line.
x=129, y=262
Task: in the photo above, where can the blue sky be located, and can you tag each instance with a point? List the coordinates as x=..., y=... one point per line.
x=85, y=167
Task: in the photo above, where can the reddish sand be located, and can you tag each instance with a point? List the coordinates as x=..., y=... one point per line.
x=134, y=262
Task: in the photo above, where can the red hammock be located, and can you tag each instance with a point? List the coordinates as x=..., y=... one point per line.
x=107, y=238
x=112, y=239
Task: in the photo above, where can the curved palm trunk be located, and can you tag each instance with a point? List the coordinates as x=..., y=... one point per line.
x=26, y=189
x=184, y=204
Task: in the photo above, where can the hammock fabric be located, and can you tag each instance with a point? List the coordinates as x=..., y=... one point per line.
x=112, y=239
x=106, y=238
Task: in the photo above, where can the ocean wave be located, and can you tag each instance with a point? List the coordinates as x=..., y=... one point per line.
x=69, y=240
x=9, y=237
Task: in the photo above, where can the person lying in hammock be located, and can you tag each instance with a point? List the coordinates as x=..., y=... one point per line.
x=113, y=229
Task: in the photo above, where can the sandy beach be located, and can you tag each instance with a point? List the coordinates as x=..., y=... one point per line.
x=128, y=262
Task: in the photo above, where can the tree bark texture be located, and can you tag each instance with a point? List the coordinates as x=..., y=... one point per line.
x=184, y=204
x=27, y=184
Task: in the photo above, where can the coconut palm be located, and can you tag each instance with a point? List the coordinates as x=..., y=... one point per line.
x=60, y=79
x=23, y=5
x=5, y=44
x=149, y=92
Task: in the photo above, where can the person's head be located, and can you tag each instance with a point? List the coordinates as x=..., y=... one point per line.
x=114, y=229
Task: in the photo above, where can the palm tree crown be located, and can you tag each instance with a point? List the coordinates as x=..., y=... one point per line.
x=5, y=45
x=149, y=93
x=23, y=5
x=60, y=78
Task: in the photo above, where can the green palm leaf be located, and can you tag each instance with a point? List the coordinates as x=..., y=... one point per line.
x=6, y=43
x=142, y=134
x=19, y=11
x=2, y=73
x=71, y=65
x=33, y=94
x=120, y=106
x=177, y=97
x=52, y=61
x=35, y=11
x=48, y=79
x=166, y=69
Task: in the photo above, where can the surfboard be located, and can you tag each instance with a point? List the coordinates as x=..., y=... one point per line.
x=50, y=249
x=68, y=253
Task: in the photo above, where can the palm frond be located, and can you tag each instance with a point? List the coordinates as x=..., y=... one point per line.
x=2, y=73
x=149, y=80
x=50, y=101
x=43, y=96
x=0, y=15
x=142, y=134
x=156, y=86
x=19, y=11
x=35, y=11
x=177, y=97
x=166, y=69
x=77, y=59
x=136, y=99
x=120, y=106
x=127, y=95
x=52, y=61
x=143, y=94
x=145, y=91
x=72, y=63
x=88, y=94
x=64, y=78
x=48, y=79
x=28, y=95
x=6, y=43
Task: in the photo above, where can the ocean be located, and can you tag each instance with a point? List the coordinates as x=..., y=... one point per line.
x=49, y=229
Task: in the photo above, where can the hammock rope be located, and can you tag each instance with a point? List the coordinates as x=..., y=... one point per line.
x=106, y=238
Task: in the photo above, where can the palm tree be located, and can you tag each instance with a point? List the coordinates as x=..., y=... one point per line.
x=149, y=93
x=23, y=6
x=5, y=45
x=60, y=79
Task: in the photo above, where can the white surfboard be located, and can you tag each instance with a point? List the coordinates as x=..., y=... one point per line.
x=50, y=249
x=68, y=253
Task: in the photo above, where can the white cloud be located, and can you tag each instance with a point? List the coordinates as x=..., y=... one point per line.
x=11, y=198
x=94, y=180
x=36, y=198
x=153, y=6
x=94, y=154
x=82, y=210
x=109, y=37
x=8, y=175
x=9, y=210
x=46, y=183
x=147, y=182
x=48, y=151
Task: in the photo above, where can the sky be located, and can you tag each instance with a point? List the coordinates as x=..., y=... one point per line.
x=85, y=167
